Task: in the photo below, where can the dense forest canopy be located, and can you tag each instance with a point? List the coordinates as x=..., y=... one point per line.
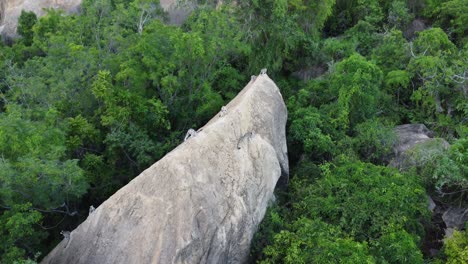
x=90, y=100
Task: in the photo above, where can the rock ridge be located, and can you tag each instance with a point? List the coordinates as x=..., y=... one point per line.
x=203, y=201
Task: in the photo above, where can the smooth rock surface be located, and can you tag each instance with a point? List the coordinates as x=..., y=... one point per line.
x=203, y=201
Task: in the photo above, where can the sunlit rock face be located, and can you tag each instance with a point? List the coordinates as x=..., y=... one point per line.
x=203, y=201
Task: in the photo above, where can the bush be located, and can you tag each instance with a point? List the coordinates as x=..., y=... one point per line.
x=362, y=199
x=397, y=246
x=456, y=248
x=374, y=141
x=313, y=241
x=445, y=170
x=26, y=21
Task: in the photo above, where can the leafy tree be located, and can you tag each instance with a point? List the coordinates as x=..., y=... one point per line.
x=456, y=248
x=397, y=246
x=445, y=170
x=35, y=178
x=33, y=163
x=452, y=16
x=46, y=27
x=26, y=21
x=306, y=130
x=347, y=13
x=313, y=241
x=130, y=117
x=398, y=15
x=393, y=45
x=356, y=81
x=338, y=48
x=349, y=192
x=278, y=29
x=433, y=42
x=437, y=72
x=272, y=224
x=18, y=232
x=374, y=141
x=365, y=35
x=397, y=84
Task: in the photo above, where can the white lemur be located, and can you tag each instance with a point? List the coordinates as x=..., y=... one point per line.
x=263, y=71
x=66, y=236
x=223, y=111
x=190, y=133
x=91, y=209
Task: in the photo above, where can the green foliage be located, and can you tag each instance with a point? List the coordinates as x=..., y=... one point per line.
x=306, y=130
x=32, y=162
x=435, y=69
x=356, y=81
x=397, y=80
x=433, y=42
x=369, y=11
x=365, y=35
x=456, y=248
x=399, y=15
x=279, y=29
x=313, y=241
x=348, y=13
x=443, y=168
x=397, y=246
x=452, y=16
x=347, y=228
x=18, y=231
x=338, y=49
x=272, y=224
x=393, y=45
x=80, y=132
x=34, y=173
x=46, y=28
x=374, y=141
x=26, y=21
x=349, y=192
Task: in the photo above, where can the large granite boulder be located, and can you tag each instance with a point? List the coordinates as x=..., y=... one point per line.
x=203, y=201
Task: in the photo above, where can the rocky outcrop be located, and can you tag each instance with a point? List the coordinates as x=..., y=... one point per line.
x=416, y=26
x=415, y=143
x=177, y=11
x=411, y=136
x=10, y=10
x=203, y=201
x=454, y=218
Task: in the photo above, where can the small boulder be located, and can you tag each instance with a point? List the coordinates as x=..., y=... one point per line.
x=454, y=218
x=413, y=137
